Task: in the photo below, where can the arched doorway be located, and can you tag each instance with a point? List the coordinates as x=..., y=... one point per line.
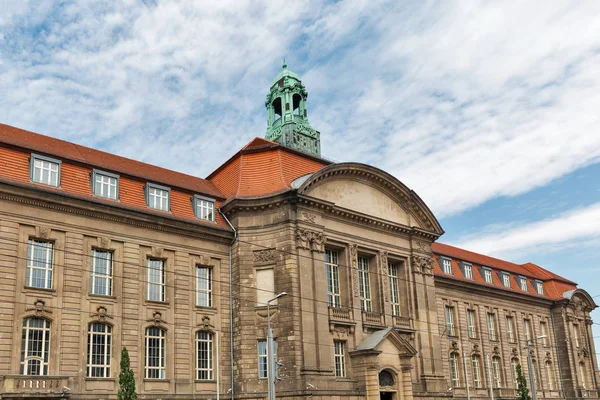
x=387, y=383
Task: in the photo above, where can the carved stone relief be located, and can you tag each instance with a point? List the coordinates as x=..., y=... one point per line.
x=266, y=255
x=422, y=265
x=39, y=307
x=104, y=242
x=157, y=252
x=354, y=268
x=310, y=240
x=309, y=217
x=43, y=232
x=383, y=257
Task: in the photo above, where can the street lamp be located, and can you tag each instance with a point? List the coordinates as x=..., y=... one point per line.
x=530, y=365
x=270, y=355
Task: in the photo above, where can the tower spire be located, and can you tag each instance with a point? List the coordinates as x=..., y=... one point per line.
x=287, y=121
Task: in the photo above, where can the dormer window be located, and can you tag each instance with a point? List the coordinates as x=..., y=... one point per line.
x=45, y=170
x=204, y=208
x=105, y=184
x=505, y=279
x=467, y=270
x=487, y=275
x=539, y=287
x=158, y=197
x=447, y=266
x=523, y=283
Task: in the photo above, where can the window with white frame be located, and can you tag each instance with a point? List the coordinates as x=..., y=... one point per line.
x=496, y=372
x=539, y=287
x=364, y=284
x=35, y=346
x=491, y=320
x=333, y=278
x=99, y=350
x=155, y=286
x=105, y=184
x=394, y=288
x=471, y=324
x=449, y=320
x=514, y=363
x=204, y=356
x=487, y=275
x=476, y=363
x=544, y=333
x=101, y=273
x=45, y=170
x=510, y=331
x=523, y=284
x=339, y=358
x=506, y=279
x=158, y=197
x=39, y=264
x=468, y=268
x=527, y=329
x=447, y=266
x=204, y=208
x=155, y=364
x=263, y=371
x=203, y=286
x=454, y=374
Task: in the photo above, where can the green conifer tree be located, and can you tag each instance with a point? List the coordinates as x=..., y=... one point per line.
x=126, y=379
x=522, y=391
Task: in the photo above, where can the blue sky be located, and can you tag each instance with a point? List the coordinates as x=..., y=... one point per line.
x=489, y=111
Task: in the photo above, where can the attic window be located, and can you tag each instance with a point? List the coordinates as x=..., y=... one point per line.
x=505, y=279
x=44, y=170
x=158, y=197
x=467, y=270
x=539, y=287
x=487, y=275
x=447, y=265
x=204, y=208
x=523, y=283
x=105, y=184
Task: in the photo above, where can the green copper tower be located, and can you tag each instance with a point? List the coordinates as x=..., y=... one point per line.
x=287, y=121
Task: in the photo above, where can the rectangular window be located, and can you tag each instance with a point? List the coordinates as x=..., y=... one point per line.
x=454, y=376
x=101, y=273
x=544, y=333
x=468, y=271
x=262, y=358
x=394, y=289
x=471, y=324
x=265, y=286
x=39, y=264
x=45, y=170
x=539, y=287
x=476, y=371
x=447, y=266
x=333, y=278
x=506, y=279
x=510, y=331
x=523, y=284
x=527, y=328
x=496, y=371
x=339, y=358
x=576, y=334
x=35, y=346
x=491, y=319
x=204, y=356
x=203, y=286
x=450, y=320
x=157, y=197
x=204, y=208
x=513, y=363
x=155, y=353
x=99, y=345
x=155, y=289
x=105, y=184
x=364, y=284
x=487, y=275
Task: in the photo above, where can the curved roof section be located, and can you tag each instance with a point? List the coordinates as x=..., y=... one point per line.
x=406, y=197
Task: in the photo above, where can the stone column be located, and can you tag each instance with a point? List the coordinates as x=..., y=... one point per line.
x=406, y=382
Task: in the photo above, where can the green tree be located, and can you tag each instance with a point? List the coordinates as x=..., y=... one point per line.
x=126, y=379
x=522, y=391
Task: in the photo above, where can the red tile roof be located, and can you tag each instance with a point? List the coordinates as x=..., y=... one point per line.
x=554, y=285
x=263, y=168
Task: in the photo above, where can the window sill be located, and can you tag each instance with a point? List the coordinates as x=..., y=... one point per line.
x=205, y=380
x=103, y=297
x=157, y=303
x=31, y=289
x=210, y=310
x=156, y=380
x=93, y=379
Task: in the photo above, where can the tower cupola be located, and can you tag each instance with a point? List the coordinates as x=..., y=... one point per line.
x=287, y=122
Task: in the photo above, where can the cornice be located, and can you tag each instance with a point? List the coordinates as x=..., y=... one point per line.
x=115, y=213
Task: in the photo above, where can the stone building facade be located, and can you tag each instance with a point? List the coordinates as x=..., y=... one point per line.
x=101, y=252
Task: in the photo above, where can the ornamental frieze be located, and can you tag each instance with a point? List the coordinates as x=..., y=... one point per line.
x=263, y=256
x=422, y=265
x=354, y=267
x=383, y=257
x=310, y=240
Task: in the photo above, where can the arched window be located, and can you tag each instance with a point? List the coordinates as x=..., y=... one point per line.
x=476, y=363
x=277, y=106
x=99, y=350
x=513, y=363
x=204, y=355
x=35, y=346
x=550, y=375
x=582, y=379
x=386, y=378
x=496, y=371
x=454, y=377
x=155, y=353
x=296, y=99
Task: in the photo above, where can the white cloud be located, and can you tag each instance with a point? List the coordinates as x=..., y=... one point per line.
x=574, y=228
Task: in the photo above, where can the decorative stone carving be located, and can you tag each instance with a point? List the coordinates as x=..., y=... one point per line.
x=383, y=257
x=548, y=356
x=475, y=349
x=39, y=307
x=454, y=345
x=496, y=351
x=101, y=314
x=43, y=232
x=423, y=265
x=263, y=256
x=309, y=217
x=206, y=323
x=354, y=268
x=310, y=240
x=157, y=252
x=341, y=332
x=424, y=247
x=105, y=242
x=515, y=353
x=156, y=318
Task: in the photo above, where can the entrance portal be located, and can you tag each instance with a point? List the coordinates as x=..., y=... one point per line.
x=386, y=395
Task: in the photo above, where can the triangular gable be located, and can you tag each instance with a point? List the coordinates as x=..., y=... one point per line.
x=372, y=343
